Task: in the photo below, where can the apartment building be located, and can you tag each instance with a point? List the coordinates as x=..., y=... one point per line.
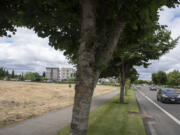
x=59, y=74
x=52, y=73
x=65, y=73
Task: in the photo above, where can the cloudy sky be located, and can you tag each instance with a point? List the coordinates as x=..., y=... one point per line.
x=171, y=60
x=26, y=52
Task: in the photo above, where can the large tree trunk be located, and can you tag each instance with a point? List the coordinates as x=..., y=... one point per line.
x=122, y=83
x=86, y=81
x=87, y=72
x=87, y=75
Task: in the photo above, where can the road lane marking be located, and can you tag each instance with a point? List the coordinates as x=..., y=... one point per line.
x=167, y=113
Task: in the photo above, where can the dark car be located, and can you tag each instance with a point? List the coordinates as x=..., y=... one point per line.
x=153, y=88
x=168, y=96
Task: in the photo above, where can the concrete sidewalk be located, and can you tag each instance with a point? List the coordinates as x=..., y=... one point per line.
x=52, y=122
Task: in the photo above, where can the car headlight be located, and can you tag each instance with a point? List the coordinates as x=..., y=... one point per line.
x=178, y=96
x=163, y=95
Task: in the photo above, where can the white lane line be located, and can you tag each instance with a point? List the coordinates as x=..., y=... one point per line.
x=167, y=113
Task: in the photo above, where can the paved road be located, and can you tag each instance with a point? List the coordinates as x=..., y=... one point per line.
x=164, y=119
x=50, y=123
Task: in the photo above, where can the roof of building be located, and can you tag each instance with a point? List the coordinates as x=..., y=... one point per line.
x=52, y=68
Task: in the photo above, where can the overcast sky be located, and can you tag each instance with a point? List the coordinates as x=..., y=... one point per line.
x=171, y=60
x=26, y=52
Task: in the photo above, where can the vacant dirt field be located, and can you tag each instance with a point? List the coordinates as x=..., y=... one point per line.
x=23, y=100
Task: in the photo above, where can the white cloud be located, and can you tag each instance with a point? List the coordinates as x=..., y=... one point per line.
x=170, y=61
x=25, y=51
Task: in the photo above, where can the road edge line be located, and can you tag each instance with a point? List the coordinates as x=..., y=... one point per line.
x=145, y=122
x=167, y=113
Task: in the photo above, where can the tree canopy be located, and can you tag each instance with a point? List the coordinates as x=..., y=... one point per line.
x=159, y=78
x=163, y=78
x=173, y=78
x=3, y=73
x=88, y=31
x=32, y=76
x=60, y=21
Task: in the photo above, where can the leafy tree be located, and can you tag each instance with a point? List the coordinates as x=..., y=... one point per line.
x=7, y=73
x=154, y=78
x=22, y=77
x=162, y=77
x=44, y=74
x=141, y=82
x=127, y=85
x=173, y=78
x=88, y=31
x=37, y=76
x=4, y=73
x=115, y=70
x=151, y=45
x=133, y=75
x=43, y=77
x=12, y=74
x=30, y=76
x=159, y=78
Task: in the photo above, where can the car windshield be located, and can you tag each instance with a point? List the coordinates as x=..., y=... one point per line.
x=169, y=91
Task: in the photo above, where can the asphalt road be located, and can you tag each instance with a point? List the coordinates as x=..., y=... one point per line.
x=51, y=122
x=162, y=119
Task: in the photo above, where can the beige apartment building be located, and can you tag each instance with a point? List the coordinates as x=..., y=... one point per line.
x=65, y=73
x=52, y=73
x=59, y=74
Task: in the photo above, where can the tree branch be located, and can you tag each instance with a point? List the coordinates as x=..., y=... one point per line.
x=104, y=54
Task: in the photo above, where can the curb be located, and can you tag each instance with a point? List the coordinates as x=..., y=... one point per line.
x=145, y=121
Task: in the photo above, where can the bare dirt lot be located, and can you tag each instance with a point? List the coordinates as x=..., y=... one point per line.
x=23, y=100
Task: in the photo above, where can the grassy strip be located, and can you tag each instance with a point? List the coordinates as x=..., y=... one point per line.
x=113, y=119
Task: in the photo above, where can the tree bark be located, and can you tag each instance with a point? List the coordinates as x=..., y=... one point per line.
x=86, y=81
x=87, y=75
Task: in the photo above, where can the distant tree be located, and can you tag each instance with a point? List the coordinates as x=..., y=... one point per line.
x=141, y=82
x=154, y=78
x=12, y=74
x=2, y=73
x=37, y=76
x=29, y=76
x=7, y=73
x=115, y=70
x=159, y=78
x=162, y=77
x=22, y=77
x=127, y=85
x=140, y=50
x=173, y=78
x=44, y=74
x=133, y=75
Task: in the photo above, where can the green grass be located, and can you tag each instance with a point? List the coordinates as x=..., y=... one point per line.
x=113, y=119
